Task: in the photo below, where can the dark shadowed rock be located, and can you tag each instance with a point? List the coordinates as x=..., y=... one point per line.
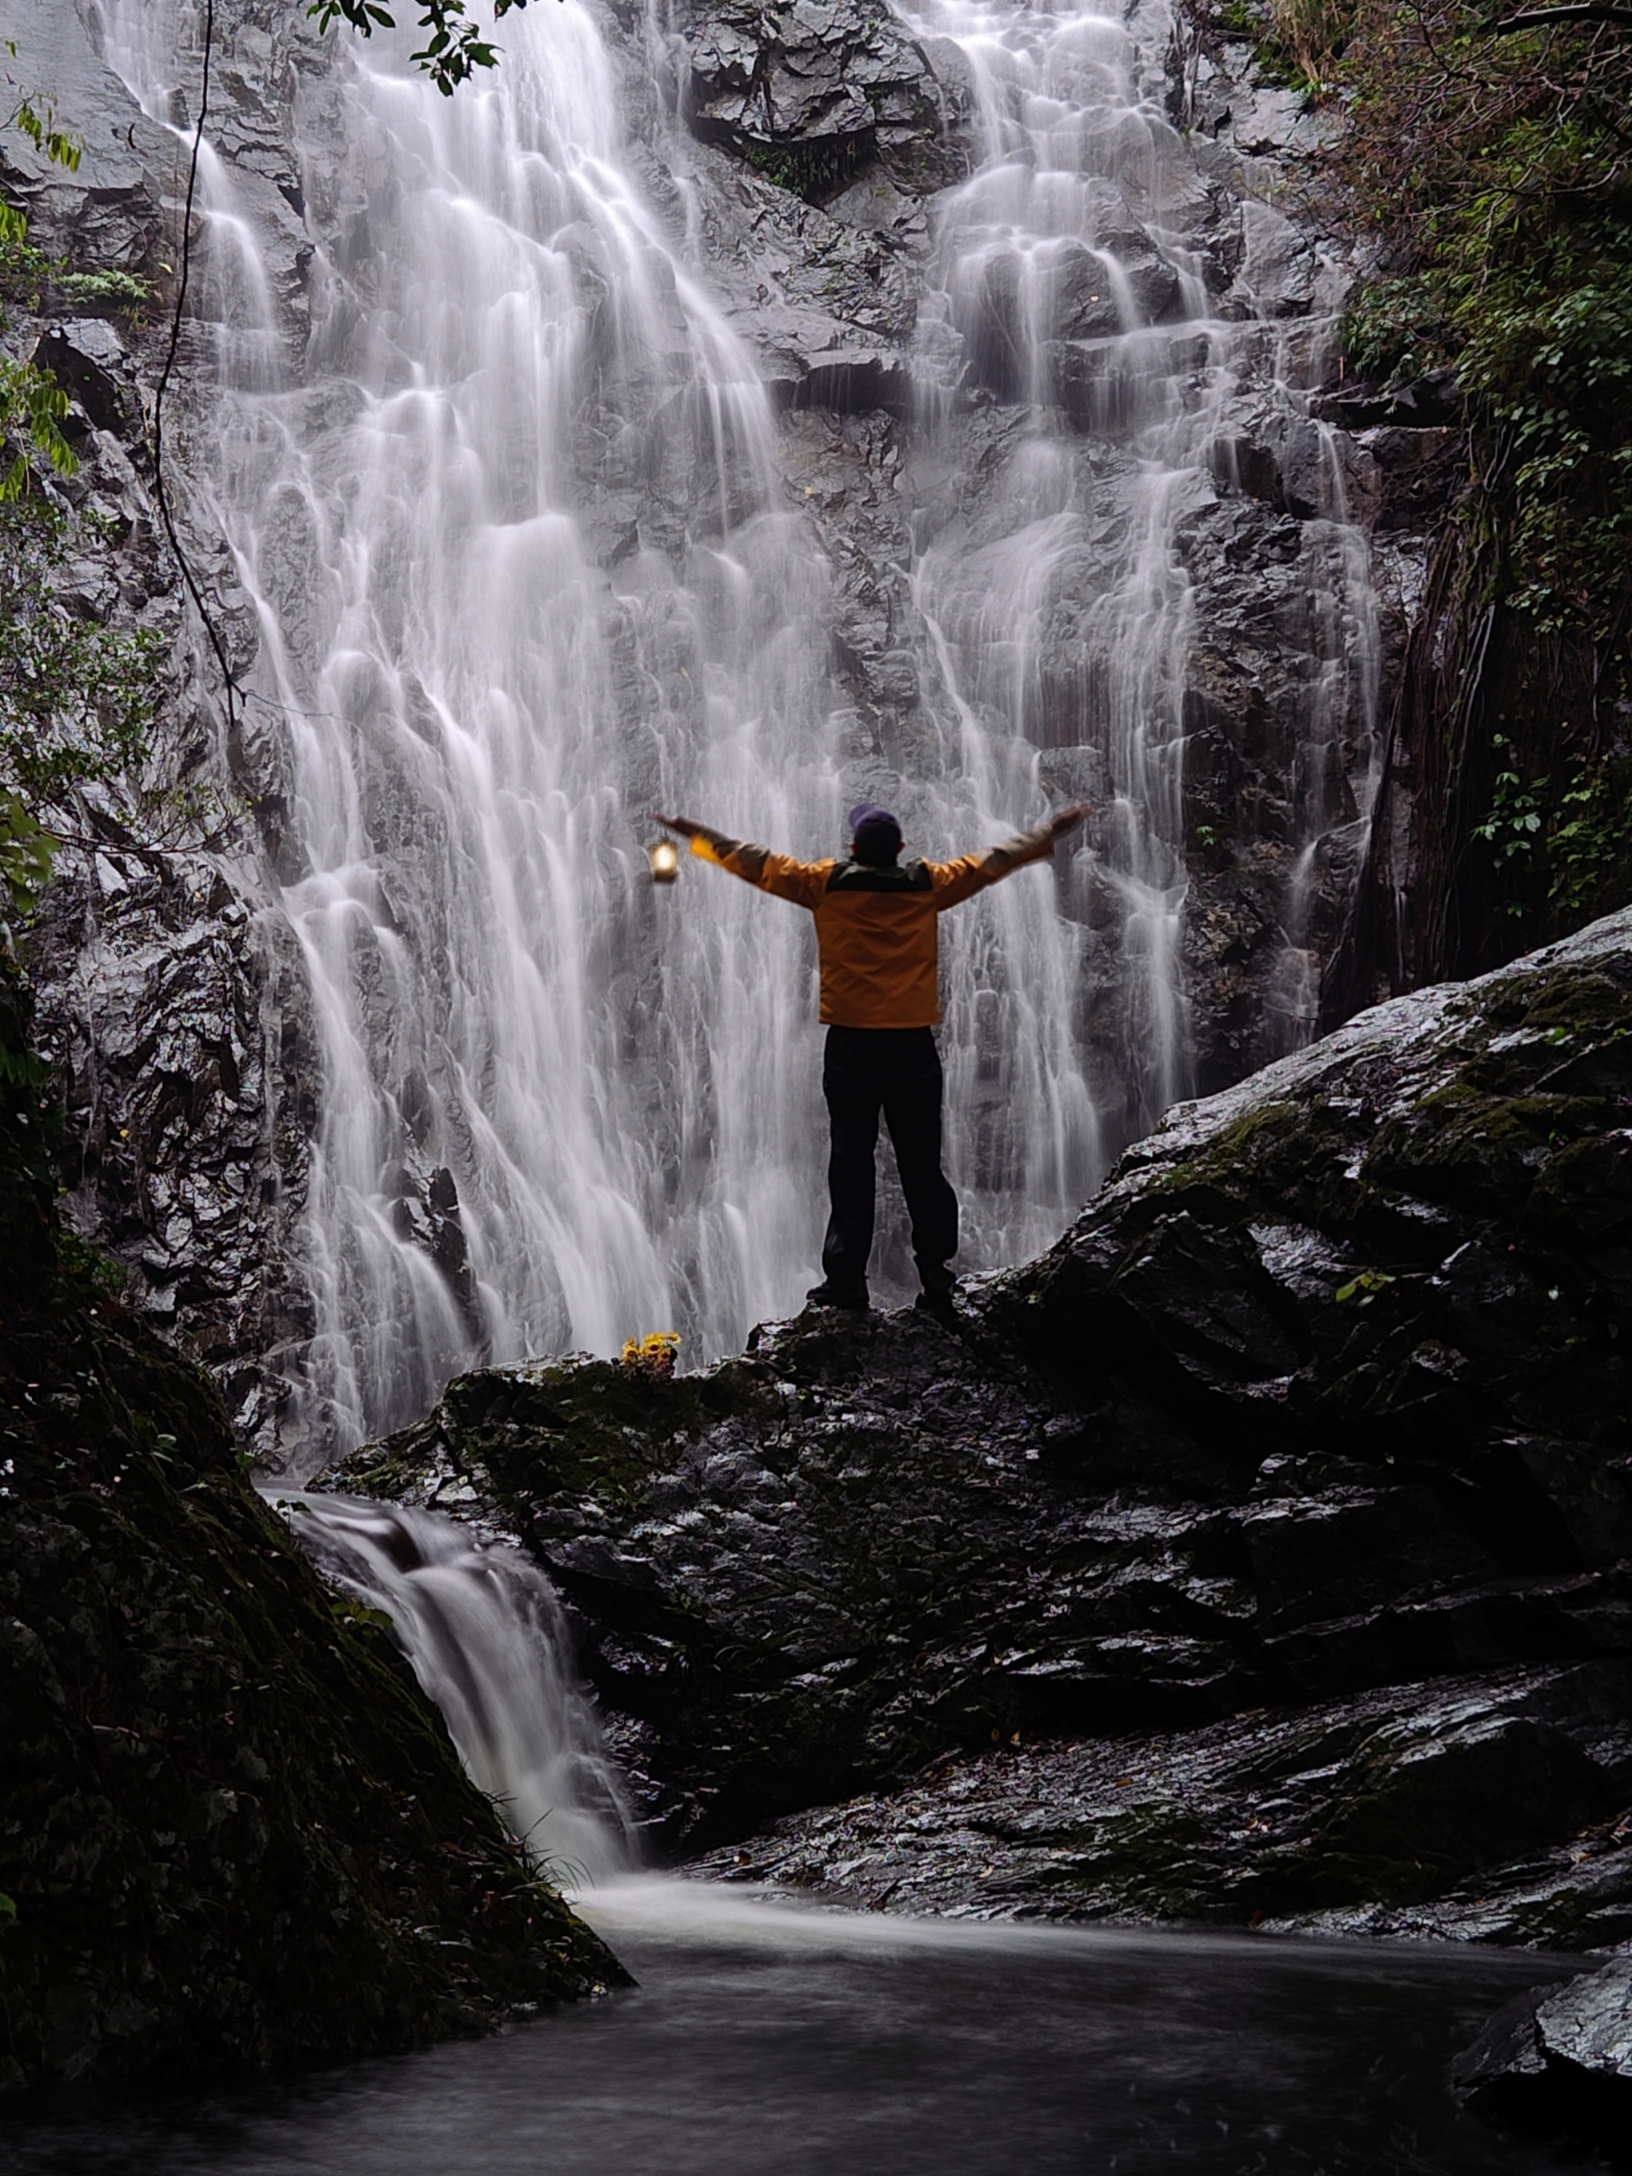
x=1415, y=1810
x=232, y=1830
x=87, y=358
x=1559, y=2064
x=1294, y=1481
x=808, y=89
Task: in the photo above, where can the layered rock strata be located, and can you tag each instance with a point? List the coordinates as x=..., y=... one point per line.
x=1273, y=1527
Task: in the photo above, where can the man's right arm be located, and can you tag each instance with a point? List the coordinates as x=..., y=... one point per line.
x=801, y=881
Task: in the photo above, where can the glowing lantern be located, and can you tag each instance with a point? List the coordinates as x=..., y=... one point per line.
x=664, y=857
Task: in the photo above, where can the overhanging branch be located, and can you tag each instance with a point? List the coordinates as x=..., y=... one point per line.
x=1582, y=11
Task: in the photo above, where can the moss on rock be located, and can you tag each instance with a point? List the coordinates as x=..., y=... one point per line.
x=230, y=1830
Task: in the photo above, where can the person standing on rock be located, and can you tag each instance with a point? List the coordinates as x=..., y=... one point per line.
x=876, y=941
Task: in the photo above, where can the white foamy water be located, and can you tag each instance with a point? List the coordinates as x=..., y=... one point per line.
x=484, y=1632
x=525, y=568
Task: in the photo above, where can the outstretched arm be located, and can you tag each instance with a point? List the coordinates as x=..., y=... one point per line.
x=959, y=880
x=801, y=881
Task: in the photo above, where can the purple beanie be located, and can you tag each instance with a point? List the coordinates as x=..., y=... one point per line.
x=875, y=833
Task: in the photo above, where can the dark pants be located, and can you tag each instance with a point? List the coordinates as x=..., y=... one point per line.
x=896, y=1071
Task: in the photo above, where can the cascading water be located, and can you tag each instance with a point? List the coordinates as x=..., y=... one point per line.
x=525, y=567
x=1065, y=619
x=483, y=1630
x=1028, y=249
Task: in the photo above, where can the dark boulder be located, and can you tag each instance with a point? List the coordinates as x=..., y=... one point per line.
x=1558, y=2064
x=232, y=1830
x=87, y=358
x=1317, y=1417
x=807, y=90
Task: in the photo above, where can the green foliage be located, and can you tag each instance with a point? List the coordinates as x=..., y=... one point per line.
x=1297, y=43
x=1589, y=834
x=76, y=695
x=1561, y=841
x=1513, y=826
x=1554, y=370
x=1360, y=1291
x=32, y=409
x=1395, y=331
x=1493, y=165
x=105, y=289
x=76, y=691
x=454, y=44
x=1497, y=171
x=25, y=854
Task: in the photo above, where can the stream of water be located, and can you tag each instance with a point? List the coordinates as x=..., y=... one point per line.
x=484, y=1632
x=767, y=2036
x=767, y=2039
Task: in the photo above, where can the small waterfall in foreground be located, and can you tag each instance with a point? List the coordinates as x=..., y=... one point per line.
x=484, y=1633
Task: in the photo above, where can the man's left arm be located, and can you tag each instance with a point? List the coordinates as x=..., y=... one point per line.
x=953, y=881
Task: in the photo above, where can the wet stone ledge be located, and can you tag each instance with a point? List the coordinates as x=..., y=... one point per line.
x=1273, y=1527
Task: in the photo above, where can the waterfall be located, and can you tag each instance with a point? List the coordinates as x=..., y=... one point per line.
x=525, y=567
x=484, y=1633
x=1031, y=249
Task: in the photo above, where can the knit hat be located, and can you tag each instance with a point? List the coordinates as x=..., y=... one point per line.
x=876, y=835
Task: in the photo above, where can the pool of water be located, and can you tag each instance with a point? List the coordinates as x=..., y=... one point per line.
x=766, y=2038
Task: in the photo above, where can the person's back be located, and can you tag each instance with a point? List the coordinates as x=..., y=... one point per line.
x=877, y=945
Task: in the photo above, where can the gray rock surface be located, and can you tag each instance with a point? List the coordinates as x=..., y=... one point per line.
x=808, y=89
x=1460, y=1809
x=1559, y=2063
x=170, y=998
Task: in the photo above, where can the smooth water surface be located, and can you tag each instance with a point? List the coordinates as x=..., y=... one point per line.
x=765, y=2037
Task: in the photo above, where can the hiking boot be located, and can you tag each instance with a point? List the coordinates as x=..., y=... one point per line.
x=938, y=1305
x=851, y=1298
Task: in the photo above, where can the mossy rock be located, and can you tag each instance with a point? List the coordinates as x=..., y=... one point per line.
x=232, y=1831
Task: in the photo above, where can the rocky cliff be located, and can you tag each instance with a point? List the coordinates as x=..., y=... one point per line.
x=1259, y=1553
x=171, y=1001
x=232, y=1830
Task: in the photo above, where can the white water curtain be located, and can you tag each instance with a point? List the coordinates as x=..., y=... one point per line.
x=526, y=569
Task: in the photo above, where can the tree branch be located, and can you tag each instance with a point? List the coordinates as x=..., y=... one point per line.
x=1581, y=11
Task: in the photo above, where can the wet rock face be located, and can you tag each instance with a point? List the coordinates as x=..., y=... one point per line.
x=807, y=161
x=808, y=90
x=174, y=1012
x=1559, y=2064
x=1299, y=544
x=1294, y=1480
x=172, y=1004
x=232, y=1830
x=1462, y=1809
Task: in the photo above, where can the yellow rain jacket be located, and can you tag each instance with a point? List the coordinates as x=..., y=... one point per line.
x=876, y=928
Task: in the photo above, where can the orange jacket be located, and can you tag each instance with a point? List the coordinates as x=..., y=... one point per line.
x=875, y=928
